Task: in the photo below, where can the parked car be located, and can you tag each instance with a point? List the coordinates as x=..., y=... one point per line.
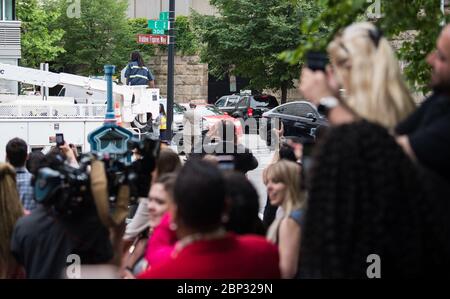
x=209, y=116
x=178, y=112
x=246, y=106
x=299, y=118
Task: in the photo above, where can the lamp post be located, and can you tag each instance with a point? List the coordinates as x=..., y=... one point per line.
x=170, y=70
x=110, y=116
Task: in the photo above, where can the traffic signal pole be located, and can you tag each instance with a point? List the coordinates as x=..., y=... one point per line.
x=170, y=70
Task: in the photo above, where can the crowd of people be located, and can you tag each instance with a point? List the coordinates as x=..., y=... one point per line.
x=378, y=185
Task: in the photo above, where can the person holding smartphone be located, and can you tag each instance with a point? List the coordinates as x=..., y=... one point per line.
x=66, y=150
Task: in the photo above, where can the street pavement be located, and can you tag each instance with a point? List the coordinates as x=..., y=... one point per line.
x=264, y=157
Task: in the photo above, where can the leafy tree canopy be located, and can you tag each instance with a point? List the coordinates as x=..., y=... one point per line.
x=422, y=17
x=40, y=43
x=248, y=35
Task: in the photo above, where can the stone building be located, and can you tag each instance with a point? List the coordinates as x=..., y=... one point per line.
x=191, y=76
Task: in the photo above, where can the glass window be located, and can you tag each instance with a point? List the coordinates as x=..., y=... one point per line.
x=264, y=101
x=221, y=102
x=243, y=102
x=178, y=109
x=297, y=109
x=209, y=110
x=232, y=101
x=9, y=8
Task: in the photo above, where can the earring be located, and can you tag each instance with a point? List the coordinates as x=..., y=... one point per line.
x=173, y=226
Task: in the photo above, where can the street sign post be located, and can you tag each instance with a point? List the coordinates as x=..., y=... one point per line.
x=153, y=39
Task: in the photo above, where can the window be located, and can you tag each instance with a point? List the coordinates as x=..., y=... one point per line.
x=264, y=101
x=178, y=109
x=297, y=109
x=232, y=101
x=8, y=8
x=209, y=111
x=221, y=102
x=243, y=103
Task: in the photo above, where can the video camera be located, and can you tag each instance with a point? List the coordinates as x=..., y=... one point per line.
x=69, y=190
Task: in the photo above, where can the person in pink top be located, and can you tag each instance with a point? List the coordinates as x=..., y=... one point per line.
x=205, y=250
x=160, y=239
x=161, y=243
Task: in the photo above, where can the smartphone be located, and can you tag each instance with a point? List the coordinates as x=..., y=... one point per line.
x=317, y=60
x=60, y=139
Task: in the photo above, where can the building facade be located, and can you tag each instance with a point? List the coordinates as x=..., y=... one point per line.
x=10, y=50
x=150, y=9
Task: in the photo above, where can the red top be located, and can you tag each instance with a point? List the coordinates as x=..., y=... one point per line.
x=231, y=257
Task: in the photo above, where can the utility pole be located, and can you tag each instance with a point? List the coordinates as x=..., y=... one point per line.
x=170, y=69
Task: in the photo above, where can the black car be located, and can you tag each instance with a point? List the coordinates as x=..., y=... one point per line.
x=299, y=119
x=246, y=106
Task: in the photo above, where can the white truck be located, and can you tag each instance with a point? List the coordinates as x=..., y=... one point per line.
x=79, y=109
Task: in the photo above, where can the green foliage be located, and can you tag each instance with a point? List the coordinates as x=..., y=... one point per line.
x=422, y=16
x=247, y=37
x=101, y=35
x=139, y=26
x=40, y=42
x=186, y=40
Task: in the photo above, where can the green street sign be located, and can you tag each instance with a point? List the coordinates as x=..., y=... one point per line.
x=158, y=31
x=164, y=16
x=156, y=24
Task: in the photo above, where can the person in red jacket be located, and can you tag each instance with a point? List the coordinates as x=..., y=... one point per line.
x=205, y=250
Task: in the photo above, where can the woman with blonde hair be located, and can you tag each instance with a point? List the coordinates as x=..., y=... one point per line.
x=283, y=188
x=10, y=210
x=365, y=67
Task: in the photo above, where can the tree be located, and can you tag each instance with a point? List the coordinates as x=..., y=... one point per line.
x=99, y=36
x=186, y=40
x=40, y=42
x=139, y=26
x=423, y=17
x=248, y=35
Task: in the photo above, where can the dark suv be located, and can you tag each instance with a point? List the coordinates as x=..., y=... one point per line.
x=246, y=106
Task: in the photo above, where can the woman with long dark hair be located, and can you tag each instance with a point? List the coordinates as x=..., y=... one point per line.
x=137, y=73
x=10, y=210
x=366, y=199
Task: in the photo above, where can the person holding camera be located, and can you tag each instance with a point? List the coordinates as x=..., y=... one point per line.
x=361, y=178
x=363, y=81
x=221, y=144
x=45, y=242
